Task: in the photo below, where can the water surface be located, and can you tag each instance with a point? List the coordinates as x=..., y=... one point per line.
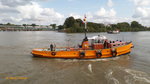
x=16, y=60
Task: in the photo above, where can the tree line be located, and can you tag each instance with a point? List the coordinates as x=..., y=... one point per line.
x=26, y=27
x=53, y=26
x=72, y=25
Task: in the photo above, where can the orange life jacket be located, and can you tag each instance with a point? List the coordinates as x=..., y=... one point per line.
x=85, y=45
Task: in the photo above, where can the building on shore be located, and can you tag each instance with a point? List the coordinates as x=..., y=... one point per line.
x=25, y=28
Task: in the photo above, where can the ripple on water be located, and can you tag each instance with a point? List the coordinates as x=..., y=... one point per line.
x=137, y=76
x=111, y=79
x=92, y=60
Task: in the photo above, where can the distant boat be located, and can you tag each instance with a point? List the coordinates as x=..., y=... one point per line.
x=114, y=32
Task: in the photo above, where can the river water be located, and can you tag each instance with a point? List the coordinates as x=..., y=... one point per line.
x=16, y=60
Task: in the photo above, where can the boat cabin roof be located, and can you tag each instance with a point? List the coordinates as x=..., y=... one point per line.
x=99, y=37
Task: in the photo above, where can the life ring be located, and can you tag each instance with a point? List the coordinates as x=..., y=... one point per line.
x=98, y=54
x=53, y=53
x=113, y=52
x=82, y=54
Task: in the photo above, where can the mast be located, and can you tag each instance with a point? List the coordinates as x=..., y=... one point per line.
x=85, y=44
x=85, y=28
x=85, y=25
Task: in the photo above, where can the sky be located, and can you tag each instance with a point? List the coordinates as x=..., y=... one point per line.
x=45, y=12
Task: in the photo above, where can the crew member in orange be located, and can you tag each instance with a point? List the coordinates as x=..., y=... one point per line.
x=85, y=43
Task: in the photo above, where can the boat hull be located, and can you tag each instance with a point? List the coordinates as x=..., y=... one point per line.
x=83, y=54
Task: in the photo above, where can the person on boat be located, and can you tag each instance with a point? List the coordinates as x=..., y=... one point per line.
x=51, y=47
x=79, y=46
x=99, y=39
x=85, y=43
x=54, y=47
x=106, y=44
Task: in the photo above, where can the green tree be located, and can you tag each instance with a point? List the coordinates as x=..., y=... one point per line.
x=25, y=25
x=8, y=23
x=53, y=26
x=69, y=22
x=33, y=25
x=76, y=25
x=60, y=27
x=124, y=26
x=135, y=24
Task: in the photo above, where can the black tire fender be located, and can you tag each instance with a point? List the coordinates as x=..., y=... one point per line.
x=98, y=54
x=82, y=54
x=53, y=53
x=113, y=52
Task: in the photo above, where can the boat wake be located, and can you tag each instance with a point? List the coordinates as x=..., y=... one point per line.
x=109, y=76
x=90, y=68
x=137, y=76
x=94, y=60
x=129, y=76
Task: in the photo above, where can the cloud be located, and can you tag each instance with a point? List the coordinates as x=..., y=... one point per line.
x=7, y=9
x=142, y=14
x=141, y=2
x=106, y=16
x=78, y=16
x=75, y=15
x=142, y=11
x=31, y=12
x=14, y=3
x=35, y=12
x=110, y=3
x=142, y=8
x=106, y=13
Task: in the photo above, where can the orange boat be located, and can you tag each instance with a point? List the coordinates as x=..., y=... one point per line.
x=100, y=47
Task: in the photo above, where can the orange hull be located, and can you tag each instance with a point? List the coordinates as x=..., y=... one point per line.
x=83, y=54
